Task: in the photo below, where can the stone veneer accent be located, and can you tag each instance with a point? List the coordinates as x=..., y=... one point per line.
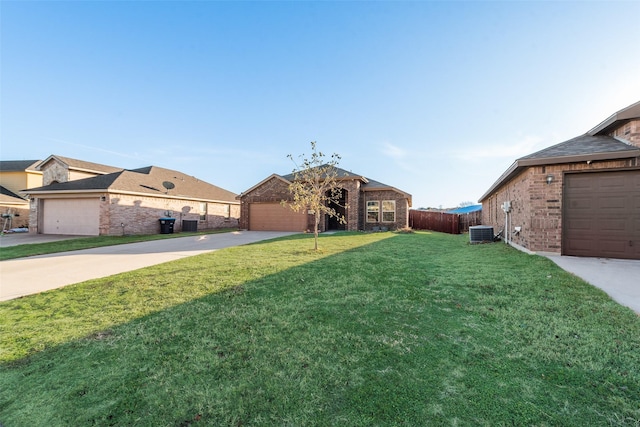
x=55, y=171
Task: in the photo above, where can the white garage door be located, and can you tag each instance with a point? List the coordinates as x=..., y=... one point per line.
x=71, y=216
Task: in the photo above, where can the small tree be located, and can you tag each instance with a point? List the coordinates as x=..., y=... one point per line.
x=315, y=188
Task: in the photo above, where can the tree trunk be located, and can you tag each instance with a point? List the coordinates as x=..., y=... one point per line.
x=315, y=231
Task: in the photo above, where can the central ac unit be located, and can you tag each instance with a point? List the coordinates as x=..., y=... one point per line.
x=481, y=234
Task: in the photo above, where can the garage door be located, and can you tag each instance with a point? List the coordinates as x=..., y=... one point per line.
x=275, y=217
x=71, y=216
x=602, y=215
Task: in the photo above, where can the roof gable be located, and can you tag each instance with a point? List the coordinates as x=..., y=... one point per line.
x=617, y=119
x=264, y=181
x=80, y=165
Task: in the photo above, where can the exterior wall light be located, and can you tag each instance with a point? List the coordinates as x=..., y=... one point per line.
x=549, y=179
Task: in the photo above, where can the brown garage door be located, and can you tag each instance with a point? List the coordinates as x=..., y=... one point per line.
x=601, y=215
x=275, y=217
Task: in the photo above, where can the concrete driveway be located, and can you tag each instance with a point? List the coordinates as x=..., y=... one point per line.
x=14, y=239
x=619, y=278
x=26, y=276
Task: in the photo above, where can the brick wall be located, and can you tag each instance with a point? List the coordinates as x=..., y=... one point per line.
x=629, y=131
x=140, y=215
x=20, y=214
x=354, y=196
x=128, y=214
x=402, y=210
x=536, y=206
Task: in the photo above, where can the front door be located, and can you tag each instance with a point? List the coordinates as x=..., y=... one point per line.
x=334, y=223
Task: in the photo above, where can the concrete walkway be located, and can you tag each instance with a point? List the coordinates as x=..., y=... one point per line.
x=26, y=276
x=619, y=278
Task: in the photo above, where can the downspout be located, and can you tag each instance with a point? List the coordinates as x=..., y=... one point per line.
x=506, y=226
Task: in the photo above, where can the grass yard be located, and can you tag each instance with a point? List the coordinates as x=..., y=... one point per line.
x=376, y=330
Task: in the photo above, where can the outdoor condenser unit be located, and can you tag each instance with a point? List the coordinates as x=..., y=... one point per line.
x=481, y=233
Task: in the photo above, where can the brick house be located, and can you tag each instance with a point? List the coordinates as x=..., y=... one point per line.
x=15, y=176
x=86, y=199
x=370, y=205
x=580, y=197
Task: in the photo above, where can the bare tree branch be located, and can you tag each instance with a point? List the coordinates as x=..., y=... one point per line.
x=315, y=187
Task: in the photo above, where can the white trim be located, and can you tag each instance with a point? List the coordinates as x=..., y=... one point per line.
x=377, y=202
x=382, y=211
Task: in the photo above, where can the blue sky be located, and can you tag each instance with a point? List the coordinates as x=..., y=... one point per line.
x=434, y=98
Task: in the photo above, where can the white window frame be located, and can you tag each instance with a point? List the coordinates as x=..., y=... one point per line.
x=376, y=205
x=387, y=211
x=203, y=211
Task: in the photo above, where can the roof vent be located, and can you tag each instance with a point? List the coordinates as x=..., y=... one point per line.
x=481, y=234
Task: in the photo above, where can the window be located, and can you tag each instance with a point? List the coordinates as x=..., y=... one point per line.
x=203, y=211
x=227, y=211
x=388, y=211
x=373, y=211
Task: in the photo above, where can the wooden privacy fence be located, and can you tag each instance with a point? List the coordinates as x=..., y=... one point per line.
x=469, y=220
x=443, y=222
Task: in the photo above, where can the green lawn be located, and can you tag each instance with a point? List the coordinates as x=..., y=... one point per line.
x=377, y=329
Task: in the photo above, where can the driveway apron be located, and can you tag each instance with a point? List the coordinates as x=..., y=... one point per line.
x=619, y=278
x=26, y=276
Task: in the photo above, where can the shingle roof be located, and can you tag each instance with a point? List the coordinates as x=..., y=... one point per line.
x=594, y=145
x=342, y=174
x=83, y=165
x=149, y=180
x=579, y=149
x=7, y=195
x=580, y=146
x=18, y=165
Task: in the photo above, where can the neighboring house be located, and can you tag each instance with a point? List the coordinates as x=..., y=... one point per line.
x=125, y=201
x=370, y=205
x=16, y=175
x=63, y=169
x=580, y=197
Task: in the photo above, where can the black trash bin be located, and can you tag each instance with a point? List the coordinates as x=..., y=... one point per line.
x=166, y=225
x=189, y=225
